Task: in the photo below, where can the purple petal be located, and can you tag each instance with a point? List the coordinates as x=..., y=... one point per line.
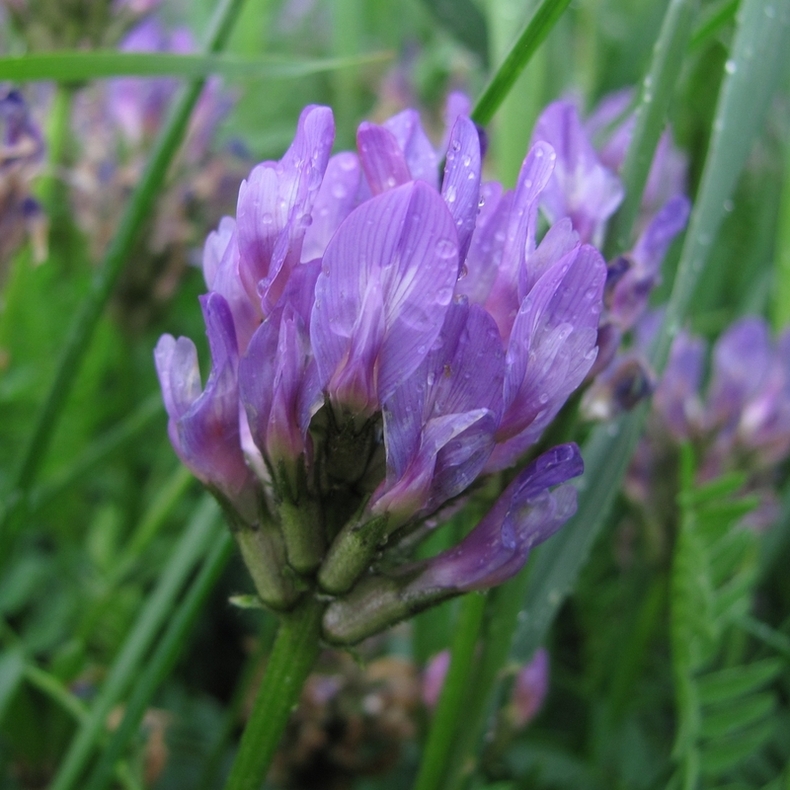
x=530, y=689
x=439, y=425
x=741, y=360
x=214, y=249
x=387, y=280
x=631, y=292
x=677, y=397
x=204, y=427
x=227, y=282
x=519, y=240
x=275, y=203
x=526, y=514
x=334, y=202
x=461, y=185
x=480, y=269
x=458, y=104
x=581, y=187
x=382, y=158
x=420, y=156
x=552, y=346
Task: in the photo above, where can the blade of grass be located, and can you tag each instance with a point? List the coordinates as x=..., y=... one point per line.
x=757, y=61
x=448, y=714
x=743, y=99
x=533, y=35
x=781, y=279
x=157, y=610
x=655, y=94
x=553, y=571
x=76, y=66
x=163, y=659
x=715, y=17
x=84, y=323
x=99, y=450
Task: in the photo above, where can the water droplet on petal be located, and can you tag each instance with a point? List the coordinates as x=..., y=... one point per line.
x=446, y=248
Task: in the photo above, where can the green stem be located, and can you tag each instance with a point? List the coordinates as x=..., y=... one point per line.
x=232, y=715
x=656, y=91
x=295, y=651
x=533, y=35
x=163, y=660
x=451, y=709
x=126, y=666
x=504, y=604
x=100, y=449
x=137, y=211
x=57, y=144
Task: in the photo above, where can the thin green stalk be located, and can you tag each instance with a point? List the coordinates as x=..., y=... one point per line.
x=58, y=130
x=137, y=211
x=163, y=659
x=757, y=61
x=53, y=688
x=715, y=17
x=501, y=617
x=157, y=610
x=231, y=717
x=781, y=290
x=533, y=35
x=100, y=449
x=655, y=94
x=451, y=710
x=295, y=651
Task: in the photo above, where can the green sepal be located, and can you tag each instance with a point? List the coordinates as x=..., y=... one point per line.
x=352, y=551
x=377, y=603
x=263, y=551
x=301, y=518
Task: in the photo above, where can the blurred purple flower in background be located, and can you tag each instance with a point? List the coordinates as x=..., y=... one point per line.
x=398, y=334
x=736, y=415
x=21, y=158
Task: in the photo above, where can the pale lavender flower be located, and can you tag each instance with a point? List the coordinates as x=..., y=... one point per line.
x=433, y=678
x=582, y=186
x=530, y=689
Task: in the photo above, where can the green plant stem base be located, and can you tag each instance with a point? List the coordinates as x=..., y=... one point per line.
x=295, y=651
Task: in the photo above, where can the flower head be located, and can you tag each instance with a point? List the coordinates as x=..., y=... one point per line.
x=397, y=332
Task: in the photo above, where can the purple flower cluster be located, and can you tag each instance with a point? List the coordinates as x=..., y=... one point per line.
x=381, y=337
x=585, y=187
x=743, y=418
x=736, y=415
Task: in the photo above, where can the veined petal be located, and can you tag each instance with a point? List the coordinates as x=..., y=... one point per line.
x=399, y=247
x=519, y=241
x=461, y=184
x=278, y=197
x=334, y=202
x=581, y=187
x=206, y=434
x=551, y=349
x=420, y=157
x=214, y=249
x=382, y=158
x=526, y=514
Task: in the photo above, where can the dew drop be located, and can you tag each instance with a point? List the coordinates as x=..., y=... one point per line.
x=431, y=378
x=464, y=271
x=730, y=66
x=450, y=194
x=446, y=248
x=456, y=144
x=467, y=160
x=728, y=206
x=267, y=219
x=338, y=191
